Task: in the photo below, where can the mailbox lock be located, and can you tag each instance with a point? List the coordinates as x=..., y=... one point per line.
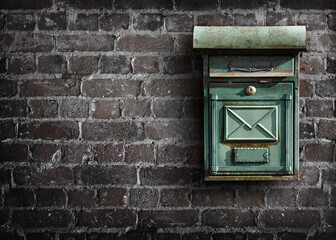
x=250, y=90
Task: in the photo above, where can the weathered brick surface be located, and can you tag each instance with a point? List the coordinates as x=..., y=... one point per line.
x=101, y=129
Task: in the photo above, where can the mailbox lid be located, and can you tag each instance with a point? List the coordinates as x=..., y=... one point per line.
x=251, y=66
x=274, y=37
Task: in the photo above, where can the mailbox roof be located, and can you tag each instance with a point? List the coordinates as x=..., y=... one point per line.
x=282, y=37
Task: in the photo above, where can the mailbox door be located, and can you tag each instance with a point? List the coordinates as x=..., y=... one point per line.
x=251, y=134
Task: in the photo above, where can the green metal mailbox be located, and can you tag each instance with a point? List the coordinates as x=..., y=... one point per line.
x=251, y=101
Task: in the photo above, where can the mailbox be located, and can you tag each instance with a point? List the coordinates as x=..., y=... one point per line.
x=251, y=101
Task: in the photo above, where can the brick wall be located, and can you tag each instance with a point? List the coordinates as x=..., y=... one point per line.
x=101, y=124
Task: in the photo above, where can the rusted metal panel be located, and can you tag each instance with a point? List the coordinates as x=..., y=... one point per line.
x=275, y=37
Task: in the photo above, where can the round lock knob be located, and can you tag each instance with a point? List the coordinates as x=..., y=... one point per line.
x=250, y=90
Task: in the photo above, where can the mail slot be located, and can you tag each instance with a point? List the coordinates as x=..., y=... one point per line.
x=251, y=82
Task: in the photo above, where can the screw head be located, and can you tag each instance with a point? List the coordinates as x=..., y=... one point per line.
x=265, y=155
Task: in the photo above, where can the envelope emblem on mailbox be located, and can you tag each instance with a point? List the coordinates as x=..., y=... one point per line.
x=246, y=123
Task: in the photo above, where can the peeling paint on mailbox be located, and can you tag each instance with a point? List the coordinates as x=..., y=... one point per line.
x=250, y=101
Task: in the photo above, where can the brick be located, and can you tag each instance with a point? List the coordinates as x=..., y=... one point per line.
x=42, y=218
x=245, y=4
x=82, y=198
x=227, y=218
x=115, y=64
x=139, y=153
x=333, y=197
x=144, y=198
x=319, y=152
x=49, y=176
x=310, y=197
x=229, y=236
x=72, y=236
x=136, y=108
x=10, y=236
x=166, y=236
x=307, y=4
x=19, y=197
x=106, y=218
x=168, y=175
x=312, y=21
x=22, y=4
x=197, y=235
x=108, y=88
x=249, y=19
x=112, y=196
x=76, y=154
x=144, y=4
x=312, y=65
x=101, y=236
x=167, y=108
x=302, y=108
x=21, y=22
x=8, y=88
x=38, y=236
x=114, y=22
x=196, y=5
x=175, y=197
x=290, y=218
x=52, y=87
x=52, y=64
x=85, y=42
x=74, y=108
x=170, y=154
x=145, y=43
x=331, y=65
x=10, y=152
x=177, y=65
x=329, y=176
x=195, y=155
x=259, y=236
x=5, y=176
x=193, y=109
x=128, y=131
x=48, y=197
x=42, y=109
x=145, y=64
x=13, y=108
x=2, y=21
x=306, y=88
x=184, y=131
x=321, y=43
x=320, y=108
x=91, y=175
x=168, y=218
x=84, y=22
x=148, y=21
x=184, y=43
x=332, y=21
x=323, y=236
x=327, y=129
x=7, y=129
x=109, y=153
x=4, y=217
x=47, y=153
x=52, y=21
x=309, y=176
x=291, y=236
x=250, y=198
x=307, y=130
x=3, y=66
x=173, y=88
x=21, y=65
x=277, y=197
x=214, y=20
x=326, y=88
x=279, y=19
x=49, y=130
x=84, y=4
x=213, y=197
x=83, y=65
x=179, y=23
